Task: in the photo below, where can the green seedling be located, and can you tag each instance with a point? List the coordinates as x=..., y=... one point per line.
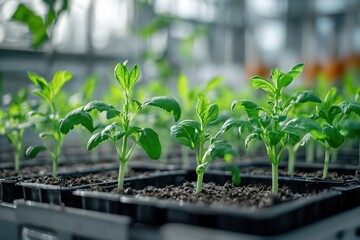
x=325, y=128
x=196, y=136
x=267, y=122
x=14, y=122
x=48, y=91
x=297, y=110
x=123, y=129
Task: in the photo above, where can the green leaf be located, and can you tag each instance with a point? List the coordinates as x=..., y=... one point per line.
x=264, y=120
x=58, y=81
x=250, y=107
x=330, y=97
x=276, y=75
x=258, y=82
x=333, y=136
x=275, y=137
x=250, y=138
x=34, y=22
x=133, y=76
x=333, y=111
x=96, y=139
x=303, y=124
x=46, y=134
x=41, y=94
x=228, y=124
x=305, y=139
x=111, y=112
x=244, y=103
x=32, y=152
x=118, y=135
x=350, y=107
x=220, y=149
x=38, y=80
x=186, y=133
x=167, y=103
x=122, y=75
x=207, y=112
x=289, y=77
x=75, y=117
x=213, y=83
x=306, y=96
x=149, y=141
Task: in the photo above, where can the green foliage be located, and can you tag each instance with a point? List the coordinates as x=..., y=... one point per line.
x=14, y=121
x=48, y=91
x=196, y=136
x=267, y=122
x=121, y=127
x=329, y=124
x=38, y=26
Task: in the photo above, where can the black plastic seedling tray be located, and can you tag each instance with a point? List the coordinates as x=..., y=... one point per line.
x=63, y=195
x=270, y=221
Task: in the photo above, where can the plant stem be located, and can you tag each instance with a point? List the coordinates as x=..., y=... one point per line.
x=185, y=156
x=326, y=163
x=291, y=160
x=310, y=152
x=17, y=155
x=122, y=170
x=199, y=182
x=334, y=155
x=17, y=161
x=275, y=174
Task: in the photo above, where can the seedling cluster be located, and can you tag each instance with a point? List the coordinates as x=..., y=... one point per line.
x=284, y=120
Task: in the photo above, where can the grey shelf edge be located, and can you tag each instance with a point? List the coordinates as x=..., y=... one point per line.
x=344, y=226
x=64, y=223
x=8, y=226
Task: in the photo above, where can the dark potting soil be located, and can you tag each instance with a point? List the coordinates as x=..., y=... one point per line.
x=251, y=196
x=92, y=178
x=297, y=173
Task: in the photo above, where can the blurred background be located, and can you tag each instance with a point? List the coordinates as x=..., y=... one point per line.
x=200, y=38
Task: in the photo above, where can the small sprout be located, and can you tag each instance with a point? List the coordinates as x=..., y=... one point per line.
x=329, y=127
x=14, y=121
x=48, y=91
x=268, y=122
x=195, y=135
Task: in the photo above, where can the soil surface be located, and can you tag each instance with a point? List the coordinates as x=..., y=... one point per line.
x=47, y=169
x=251, y=196
x=314, y=174
x=92, y=178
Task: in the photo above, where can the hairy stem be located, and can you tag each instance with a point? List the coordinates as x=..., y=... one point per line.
x=326, y=163
x=310, y=152
x=199, y=182
x=122, y=170
x=275, y=181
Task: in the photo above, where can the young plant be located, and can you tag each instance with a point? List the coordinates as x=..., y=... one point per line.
x=122, y=127
x=14, y=122
x=268, y=122
x=196, y=136
x=297, y=110
x=48, y=91
x=327, y=129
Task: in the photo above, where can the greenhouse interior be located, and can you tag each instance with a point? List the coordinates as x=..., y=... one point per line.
x=179, y=119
